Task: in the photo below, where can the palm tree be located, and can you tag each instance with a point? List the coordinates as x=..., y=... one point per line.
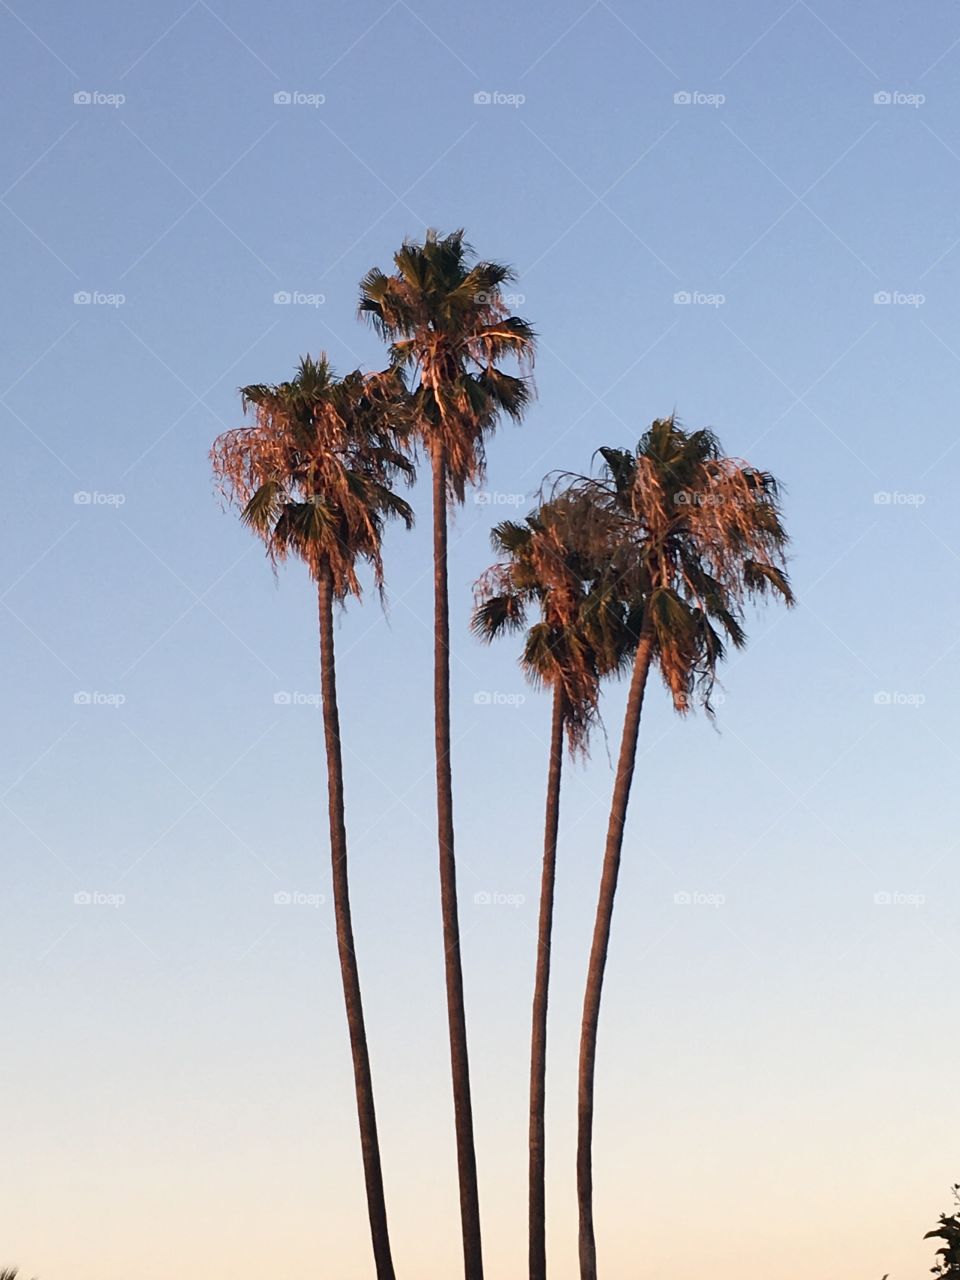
x=948, y=1230
x=313, y=478
x=444, y=316
x=580, y=636
x=692, y=536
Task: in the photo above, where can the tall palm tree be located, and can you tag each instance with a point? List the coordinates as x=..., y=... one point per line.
x=580, y=636
x=692, y=536
x=313, y=477
x=445, y=318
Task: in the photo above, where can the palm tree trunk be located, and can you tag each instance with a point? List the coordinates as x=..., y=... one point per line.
x=538, y=1037
x=369, y=1142
x=598, y=951
x=456, y=1008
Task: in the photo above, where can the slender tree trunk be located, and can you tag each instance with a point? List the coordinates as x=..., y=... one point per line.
x=369, y=1142
x=598, y=951
x=538, y=1037
x=456, y=1009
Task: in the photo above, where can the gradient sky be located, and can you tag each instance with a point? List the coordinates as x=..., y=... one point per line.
x=777, y=1070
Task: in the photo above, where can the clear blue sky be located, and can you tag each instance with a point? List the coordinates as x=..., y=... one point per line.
x=777, y=1072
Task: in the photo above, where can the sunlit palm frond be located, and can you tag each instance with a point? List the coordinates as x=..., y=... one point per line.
x=446, y=321
x=580, y=634
x=314, y=474
x=498, y=613
x=692, y=537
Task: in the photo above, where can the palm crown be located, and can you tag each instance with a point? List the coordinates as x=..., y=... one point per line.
x=314, y=472
x=582, y=632
x=446, y=320
x=689, y=537
x=948, y=1230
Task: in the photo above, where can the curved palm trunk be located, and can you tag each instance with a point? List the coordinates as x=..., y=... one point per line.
x=350, y=974
x=598, y=951
x=538, y=1037
x=456, y=1009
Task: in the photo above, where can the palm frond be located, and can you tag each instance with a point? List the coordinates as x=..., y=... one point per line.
x=579, y=635
x=691, y=537
x=314, y=475
x=497, y=614
x=444, y=316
